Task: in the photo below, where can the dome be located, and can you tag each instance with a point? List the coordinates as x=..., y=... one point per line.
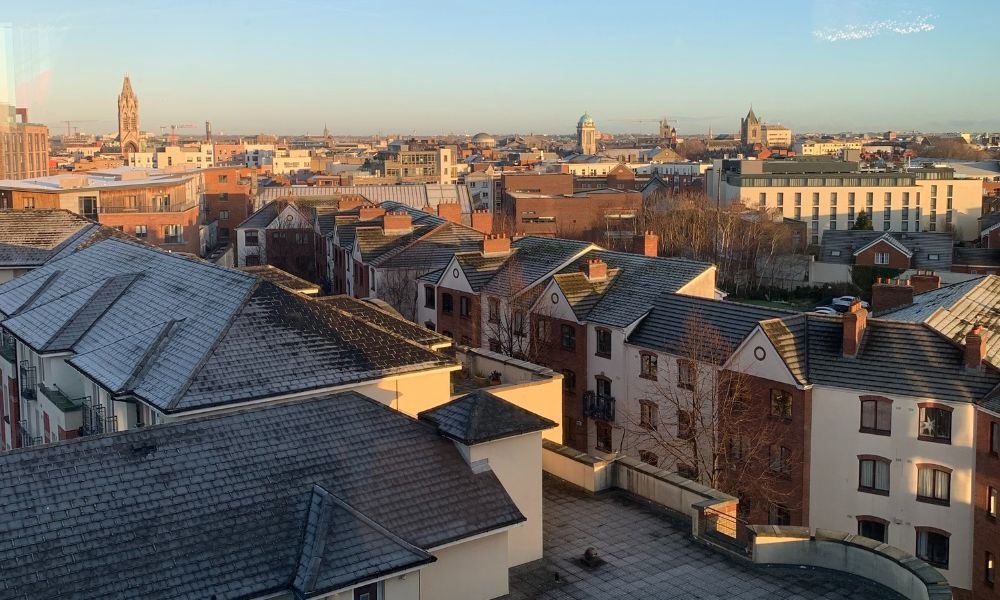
x=484, y=140
x=586, y=119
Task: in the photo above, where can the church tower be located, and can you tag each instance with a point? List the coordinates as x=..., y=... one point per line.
x=750, y=129
x=586, y=135
x=128, y=119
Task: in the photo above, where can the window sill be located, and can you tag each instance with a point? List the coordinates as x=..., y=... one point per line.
x=874, y=491
x=603, y=355
x=926, y=438
x=780, y=418
x=875, y=431
x=936, y=501
x=647, y=377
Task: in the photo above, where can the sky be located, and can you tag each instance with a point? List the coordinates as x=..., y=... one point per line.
x=291, y=66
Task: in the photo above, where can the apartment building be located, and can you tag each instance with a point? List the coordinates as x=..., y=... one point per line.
x=161, y=209
x=287, y=235
x=595, y=215
x=229, y=194
x=24, y=146
x=829, y=194
x=412, y=165
x=174, y=158
x=829, y=147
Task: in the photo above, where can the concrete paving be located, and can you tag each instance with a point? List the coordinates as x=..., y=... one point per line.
x=650, y=554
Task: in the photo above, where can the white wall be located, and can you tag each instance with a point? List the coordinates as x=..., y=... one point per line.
x=472, y=570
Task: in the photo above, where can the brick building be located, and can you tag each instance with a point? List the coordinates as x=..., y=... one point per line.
x=596, y=215
x=229, y=195
x=24, y=146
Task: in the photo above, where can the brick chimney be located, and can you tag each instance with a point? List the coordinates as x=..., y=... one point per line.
x=350, y=201
x=597, y=269
x=482, y=221
x=888, y=294
x=496, y=245
x=855, y=320
x=650, y=244
x=975, y=347
x=925, y=281
x=450, y=211
x=396, y=223
x=367, y=213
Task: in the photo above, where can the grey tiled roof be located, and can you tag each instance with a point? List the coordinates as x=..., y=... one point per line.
x=182, y=334
x=395, y=324
x=432, y=277
x=479, y=269
x=581, y=293
x=980, y=257
x=228, y=506
x=921, y=244
x=281, y=278
x=482, y=417
x=535, y=258
x=435, y=249
x=29, y=238
x=668, y=326
x=788, y=335
x=263, y=217
x=374, y=243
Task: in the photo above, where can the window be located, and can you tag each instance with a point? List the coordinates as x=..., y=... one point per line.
x=778, y=515
x=173, y=234
x=447, y=303
x=429, y=296
x=876, y=415
x=569, y=380
x=603, y=386
x=781, y=404
x=933, y=484
x=542, y=331
x=685, y=425
x=567, y=335
x=685, y=374
x=223, y=215
x=780, y=459
x=250, y=238
x=493, y=304
x=989, y=569
x=464, y=306
x=873, y=475
x=935, y=424
x=223, y=178
x=995, y=438
x=933, y=256
x=763, y=199
x=223, y=197
x=29, y=202
x=881, y=258
x=603, y=436
x=141, y=232
x=519, y=323
x=647, y=365
x=650, y=458
x=932, y=546
x=649, y=414
x=991, y=502
x=873, y=528
x=603, y=343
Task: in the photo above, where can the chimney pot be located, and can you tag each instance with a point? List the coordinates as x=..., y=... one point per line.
x=597, y=269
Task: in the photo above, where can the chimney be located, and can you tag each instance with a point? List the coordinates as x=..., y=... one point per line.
x=450, y=211
x=975, y=347
x=23, y=113
x=482, y=221
x=650, y=244
x=597, y=269
x=367, y=213
x=888, y=294
x=925, y=281
x=396, y=223
x=496, y=245
x=855, y=320
x=350, y=201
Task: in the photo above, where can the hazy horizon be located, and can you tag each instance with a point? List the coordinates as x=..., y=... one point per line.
x=363, y=68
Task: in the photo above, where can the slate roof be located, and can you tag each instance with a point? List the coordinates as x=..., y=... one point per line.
x=581, y=293
x=921, y=244
x=29, y=238
x=263, y=217
x=183, y=334
x=432, y=277
x=788, y=336
x=668, y=325
x=282, y=279
x=980, y=257
x=317, y=512
x=535, y=258
x=479, y=269
x=435, y=249
x=393, y=323
x=482, y=417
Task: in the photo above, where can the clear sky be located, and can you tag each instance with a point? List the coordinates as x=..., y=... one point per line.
x=289, y=66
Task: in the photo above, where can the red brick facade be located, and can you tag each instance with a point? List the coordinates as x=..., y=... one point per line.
x=572, y=363
x=985, y=527
x=157, y=226
x=228, y=198
x=581, y=216
x=464, y=329
x=897, y=260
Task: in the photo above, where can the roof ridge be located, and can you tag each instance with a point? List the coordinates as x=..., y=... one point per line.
x=144, y=364
x=107, y=282
x=41, y=289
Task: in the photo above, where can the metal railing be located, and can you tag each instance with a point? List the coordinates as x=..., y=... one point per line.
x=28, y=381
x=95, y=421
x=24, y=432
x=598, y=407
x=726, y=530
x=8, y=347
x=148, y=208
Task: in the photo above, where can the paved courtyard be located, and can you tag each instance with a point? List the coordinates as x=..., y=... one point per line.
x=650, y=555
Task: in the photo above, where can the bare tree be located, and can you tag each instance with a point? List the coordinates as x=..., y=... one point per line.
x=398, y=287
x=705, y=423
x=510, y=323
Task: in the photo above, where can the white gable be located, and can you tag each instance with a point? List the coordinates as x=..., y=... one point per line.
x=454, y=278
x=757, y=357
x=552, y=303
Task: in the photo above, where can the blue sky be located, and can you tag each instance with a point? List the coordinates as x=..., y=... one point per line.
x=439, y=67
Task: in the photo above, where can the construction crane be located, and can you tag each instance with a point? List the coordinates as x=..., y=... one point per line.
x=70, y=130
x=172, y=138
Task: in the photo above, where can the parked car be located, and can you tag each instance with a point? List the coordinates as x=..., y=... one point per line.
x=825, y=310
x=846, y=301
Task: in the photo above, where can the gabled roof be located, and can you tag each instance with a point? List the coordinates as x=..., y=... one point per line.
x=535, y=258
x=581, y=293
x=393, y=323
x=888, y=239
x=415, y=196
x=434, y=249
x=482, y=417
x=989, y=223
x=238, y=507
x=183, y=334
x=29, y=238
x=927, y=249
x=788, y=336
x=479, y=269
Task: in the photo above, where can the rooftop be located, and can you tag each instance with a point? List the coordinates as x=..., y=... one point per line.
x=111, y=178
x=650, y=554
x=283, y=279
x=29, y=238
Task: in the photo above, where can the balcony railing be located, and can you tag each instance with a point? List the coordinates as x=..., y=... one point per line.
x=60, y=399
x=148, y=208
x=598, y=407
x=95, y=421
x=28, y=381
x=27, y=440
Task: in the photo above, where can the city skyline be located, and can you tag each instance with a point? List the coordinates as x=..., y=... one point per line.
x=822, y=66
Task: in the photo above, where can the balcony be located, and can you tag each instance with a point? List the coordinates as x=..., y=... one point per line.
x=28, y=381
x=149, y=208
x=8, y=349
x=599, y=408
x=95, y=422
x=59, y=399
x=27, y=440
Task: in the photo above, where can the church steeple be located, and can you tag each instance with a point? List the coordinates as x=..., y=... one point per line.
x=128, y=119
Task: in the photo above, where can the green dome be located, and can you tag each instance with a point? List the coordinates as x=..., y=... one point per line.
x=586, y=119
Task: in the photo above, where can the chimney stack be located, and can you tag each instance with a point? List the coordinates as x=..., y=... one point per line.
x=396, y=223
x=350, y=201
x=450, y=211
x=367, y=213
x=888, y=294
x=496, y=245
x=650, y=244
x=597, y=269
x=975, y=347
x=855, y=320
x=482, y=221
x=925, y=281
